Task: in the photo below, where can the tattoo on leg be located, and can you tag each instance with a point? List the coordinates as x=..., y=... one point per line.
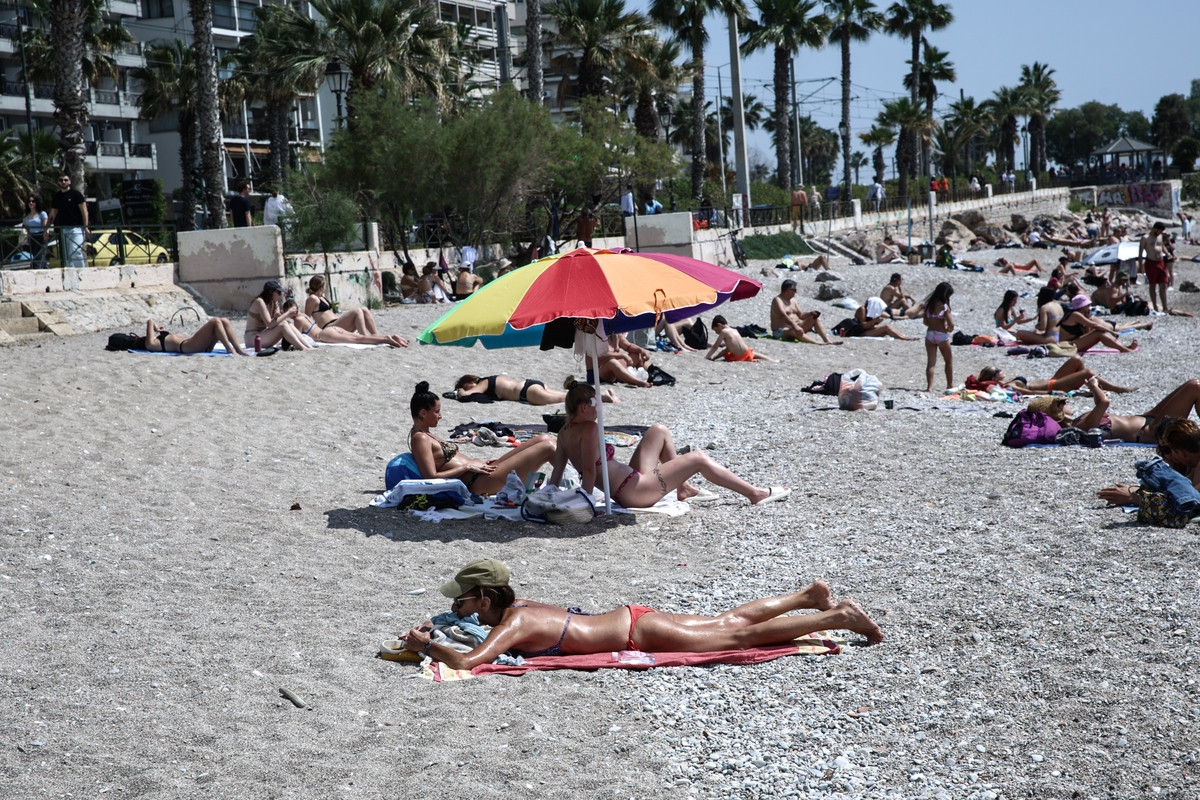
x=662, y=483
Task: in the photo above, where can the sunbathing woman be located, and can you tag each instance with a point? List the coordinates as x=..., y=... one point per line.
x=332, y=334
x=1179, y=446
x=502, y=387
x=532, y=629
x=1180, y=403
x=269, y=322
x=655, y=468
x=1032, y=267
x=617, y=364
x=438, y=459
x=1079, y=327
x=356, y=320
x=160, y=340
x=1070, y=376
x=1007, y=315
x=1050, y=313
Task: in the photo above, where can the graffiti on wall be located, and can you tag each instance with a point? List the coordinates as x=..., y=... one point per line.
x=1160, y=197
x=352, y=275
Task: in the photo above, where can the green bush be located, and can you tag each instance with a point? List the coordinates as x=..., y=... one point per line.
x=775, y=246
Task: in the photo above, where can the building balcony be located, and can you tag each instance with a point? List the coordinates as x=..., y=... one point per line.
x=120, y=156
x=105, y=103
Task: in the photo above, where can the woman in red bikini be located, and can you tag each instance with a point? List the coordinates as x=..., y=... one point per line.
x=531, y=629
x=655, y=469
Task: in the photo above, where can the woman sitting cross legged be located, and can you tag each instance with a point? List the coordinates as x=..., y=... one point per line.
x=502, y=387
x=655, y=468
x=531, y=629
x=438, y=459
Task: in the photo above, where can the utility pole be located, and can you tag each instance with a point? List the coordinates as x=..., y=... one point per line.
x=740, y=159
x=720, y=135
x=28, y=95
x=798, y=171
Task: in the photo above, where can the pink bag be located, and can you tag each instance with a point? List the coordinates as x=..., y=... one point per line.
x=1030, y=427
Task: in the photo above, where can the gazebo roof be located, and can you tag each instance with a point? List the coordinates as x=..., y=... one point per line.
x=1124, y=145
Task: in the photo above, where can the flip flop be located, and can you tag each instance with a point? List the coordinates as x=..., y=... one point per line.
x=703, y=496
x=393, y=650
x=778, y=493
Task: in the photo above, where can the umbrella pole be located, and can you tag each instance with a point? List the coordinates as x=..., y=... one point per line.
x=600, y=422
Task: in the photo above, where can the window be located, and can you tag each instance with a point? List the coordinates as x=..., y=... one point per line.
x=223, y=15
x=158, y=9
x=247, y=22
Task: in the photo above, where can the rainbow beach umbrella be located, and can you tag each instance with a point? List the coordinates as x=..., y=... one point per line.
x=625, y=290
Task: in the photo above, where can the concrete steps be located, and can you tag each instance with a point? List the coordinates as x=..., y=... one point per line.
x=31, y=320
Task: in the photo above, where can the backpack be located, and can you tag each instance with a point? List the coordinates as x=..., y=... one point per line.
x=695, y=336
x=1136, y=307
x=558, y=506
x=830, y=384
x=1030, y=427
x=659, y=377
x=124, y=341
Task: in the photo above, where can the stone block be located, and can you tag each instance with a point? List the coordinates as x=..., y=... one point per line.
x=31, y=281
x=94, y=278
x=972, y=218
x=5, y=338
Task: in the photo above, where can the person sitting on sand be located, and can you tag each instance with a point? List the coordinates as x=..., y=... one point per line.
x=1030, y=267
x=438, y=459
x=618, y=363
x=466, y=283
x=432, y=289
x=410, y=283
x=1113, y=296
x=674, y=333
x=888, y=251
x=1069, y=377
x=502, y=387
x=269, y=322
x=160, y=340
x=1179, y=447
x=1007, y=315
x=531, y=629
x=655, y=469
x=356, y=320
x=894, y=296
x=868, y=321
x=332, y=334
x=1050, y=313
x=1180, y=403
x=1080, y=327
x=790, y=323
x=730, y=345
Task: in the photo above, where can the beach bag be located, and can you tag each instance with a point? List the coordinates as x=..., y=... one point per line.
x=659, y=377
x=848, y=327
x=1136, y=307
x=558, y=506
x=1030, y=427
x=695, y=336
x=960, y=339
x=827, y=385
x=1061, y=349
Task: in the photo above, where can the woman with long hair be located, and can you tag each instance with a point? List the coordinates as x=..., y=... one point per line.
x=267, y=320
x=1007, y=316
x=356, y=320
x=939, y=324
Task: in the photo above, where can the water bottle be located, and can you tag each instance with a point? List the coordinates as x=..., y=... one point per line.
x=257, y=343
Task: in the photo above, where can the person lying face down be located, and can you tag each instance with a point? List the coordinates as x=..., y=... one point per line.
x=532, y=629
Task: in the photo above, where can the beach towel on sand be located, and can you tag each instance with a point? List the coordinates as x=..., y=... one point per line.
x=815, y=644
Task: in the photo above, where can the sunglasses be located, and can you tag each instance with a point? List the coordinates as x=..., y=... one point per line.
x=459, y=601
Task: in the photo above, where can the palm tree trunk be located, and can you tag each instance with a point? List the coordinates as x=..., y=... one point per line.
x=66, y=20
x=187, y=162
x=783, y=128
x=903, y=146
x=208, y=122
x=699, y=153
x=533, y=49
x=846, y=112
x=925, y=145
x=645, y=120
x=878, y=162
x=277, y=124
x=915, y=96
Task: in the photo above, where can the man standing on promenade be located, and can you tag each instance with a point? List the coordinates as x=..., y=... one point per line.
x=799, y=206
x=789, y=322
x=876, y=193
x=585, y=226
x=69, y=210
x=627, y=206
x=1151, y=264
x=241, y=207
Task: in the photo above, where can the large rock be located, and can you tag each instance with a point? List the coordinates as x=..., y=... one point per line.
x=972, y=218
x=1018, y=224
x=994, y=234
x=861, y=242
x=955, y=234
x=829, y=292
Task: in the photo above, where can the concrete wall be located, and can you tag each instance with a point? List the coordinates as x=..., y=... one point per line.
x=663, y=233
x=16, y=283
x=1160, y=198
x=229, y=266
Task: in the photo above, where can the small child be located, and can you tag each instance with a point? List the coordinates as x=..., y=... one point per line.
x=730, y=344
x=939, y=324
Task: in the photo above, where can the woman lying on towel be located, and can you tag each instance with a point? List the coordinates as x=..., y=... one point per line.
x=1137, y=428
x=332, y=334
x=1070, y=376
x=502, y=387
x=438, y=459
x=217, y=329
x=655, y=468
x=531, y=629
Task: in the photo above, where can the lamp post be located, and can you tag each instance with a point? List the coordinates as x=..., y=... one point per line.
x=664, y=117
x=844, y=133
x=28, y=100
x=337, y=76
x=1025, y=149
x=1071, y=136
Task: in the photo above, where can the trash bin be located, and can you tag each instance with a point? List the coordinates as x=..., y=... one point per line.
x=926, y=252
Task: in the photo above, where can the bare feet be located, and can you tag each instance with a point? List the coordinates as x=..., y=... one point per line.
x=818, y=595
x=686, y=490
x=396, y=341
x=608, y=396
x=855, y=619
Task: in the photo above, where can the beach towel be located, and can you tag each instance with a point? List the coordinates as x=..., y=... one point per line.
x=820, y=643
x=218, y=350
x=669, y=506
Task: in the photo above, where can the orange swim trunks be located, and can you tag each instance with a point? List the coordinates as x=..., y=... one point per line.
x=746, y=356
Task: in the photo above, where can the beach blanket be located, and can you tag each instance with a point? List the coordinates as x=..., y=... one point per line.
x=1105, y=443
x=821, y=643
x=395, y=496
x=218, y=350
x=669, y=506
x=616, y=435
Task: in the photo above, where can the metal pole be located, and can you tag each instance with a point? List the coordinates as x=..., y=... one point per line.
x=720, y=135
x=799, y=169
x=28, y=98
x=740, y=158
x=600, y=414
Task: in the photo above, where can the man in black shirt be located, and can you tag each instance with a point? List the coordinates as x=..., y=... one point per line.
x=241, y=207
x=69, y=211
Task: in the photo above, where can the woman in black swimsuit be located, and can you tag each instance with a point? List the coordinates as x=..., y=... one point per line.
x=1179, y=404
x=217, y=329
x=536, y=629
x=502, y=387
x=1085, y=331
x=356, y=320
x=438, y=459
x=332, y=334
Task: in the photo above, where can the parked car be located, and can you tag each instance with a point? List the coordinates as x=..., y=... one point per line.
x=110, y=248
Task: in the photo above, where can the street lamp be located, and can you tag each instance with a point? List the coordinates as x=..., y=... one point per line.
x=844, y=132
x=664, y=116
x=337, y=76
x=1025, y=148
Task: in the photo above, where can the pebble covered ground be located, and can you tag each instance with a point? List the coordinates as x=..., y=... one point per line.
x=158, y=588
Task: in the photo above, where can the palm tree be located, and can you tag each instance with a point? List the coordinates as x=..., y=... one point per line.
x=1004, y=106
x=936, y=66
x=910, y=19
x=646, y=79
x=785, y=26
x=15, y=185
x=597, y=31
x=969, y=119
x=208, y=113
x=168, y=83
x=850, y=20
x=533, y=49
x=913, y=125
x=1041, y=97
x=858, y=160
x=685, y=19
x=879, y=137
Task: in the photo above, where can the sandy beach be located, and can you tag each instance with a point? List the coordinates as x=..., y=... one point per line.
x=181, y=537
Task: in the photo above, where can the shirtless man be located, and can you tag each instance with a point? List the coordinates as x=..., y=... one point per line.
x=466, y=283
x=888, y=252
x=730, y=345
x=799, y=205
x=1150, y=263
x=1112, y=295
x=894, y=296
x=789, y=322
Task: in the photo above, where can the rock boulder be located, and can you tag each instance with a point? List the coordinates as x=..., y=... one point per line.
x=955, y=234
x=972, y=218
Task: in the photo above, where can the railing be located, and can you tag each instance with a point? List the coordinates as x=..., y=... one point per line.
x=128, y=149
x=104, y=96
x=105, y=246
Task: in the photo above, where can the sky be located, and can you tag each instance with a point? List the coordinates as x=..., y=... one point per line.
x=1115, y=52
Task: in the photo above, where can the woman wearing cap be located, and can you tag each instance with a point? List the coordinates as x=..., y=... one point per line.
x=269, y=322
x=356, y=320
x=531, y=629
x=438, y=459
x=1139, y=428
x=1085, y=331
x=655, y=469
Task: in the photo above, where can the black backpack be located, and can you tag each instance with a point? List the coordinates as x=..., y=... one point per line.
x=695, y=336
x=124, y=341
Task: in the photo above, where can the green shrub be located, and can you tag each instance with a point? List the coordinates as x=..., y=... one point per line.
x=775, y=246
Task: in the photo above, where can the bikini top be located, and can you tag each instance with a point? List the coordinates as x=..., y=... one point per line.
x=489, y=388
x=322, y=305
x=930, y=315
x=556, y=648
x=609, y=452
x=449, y=449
